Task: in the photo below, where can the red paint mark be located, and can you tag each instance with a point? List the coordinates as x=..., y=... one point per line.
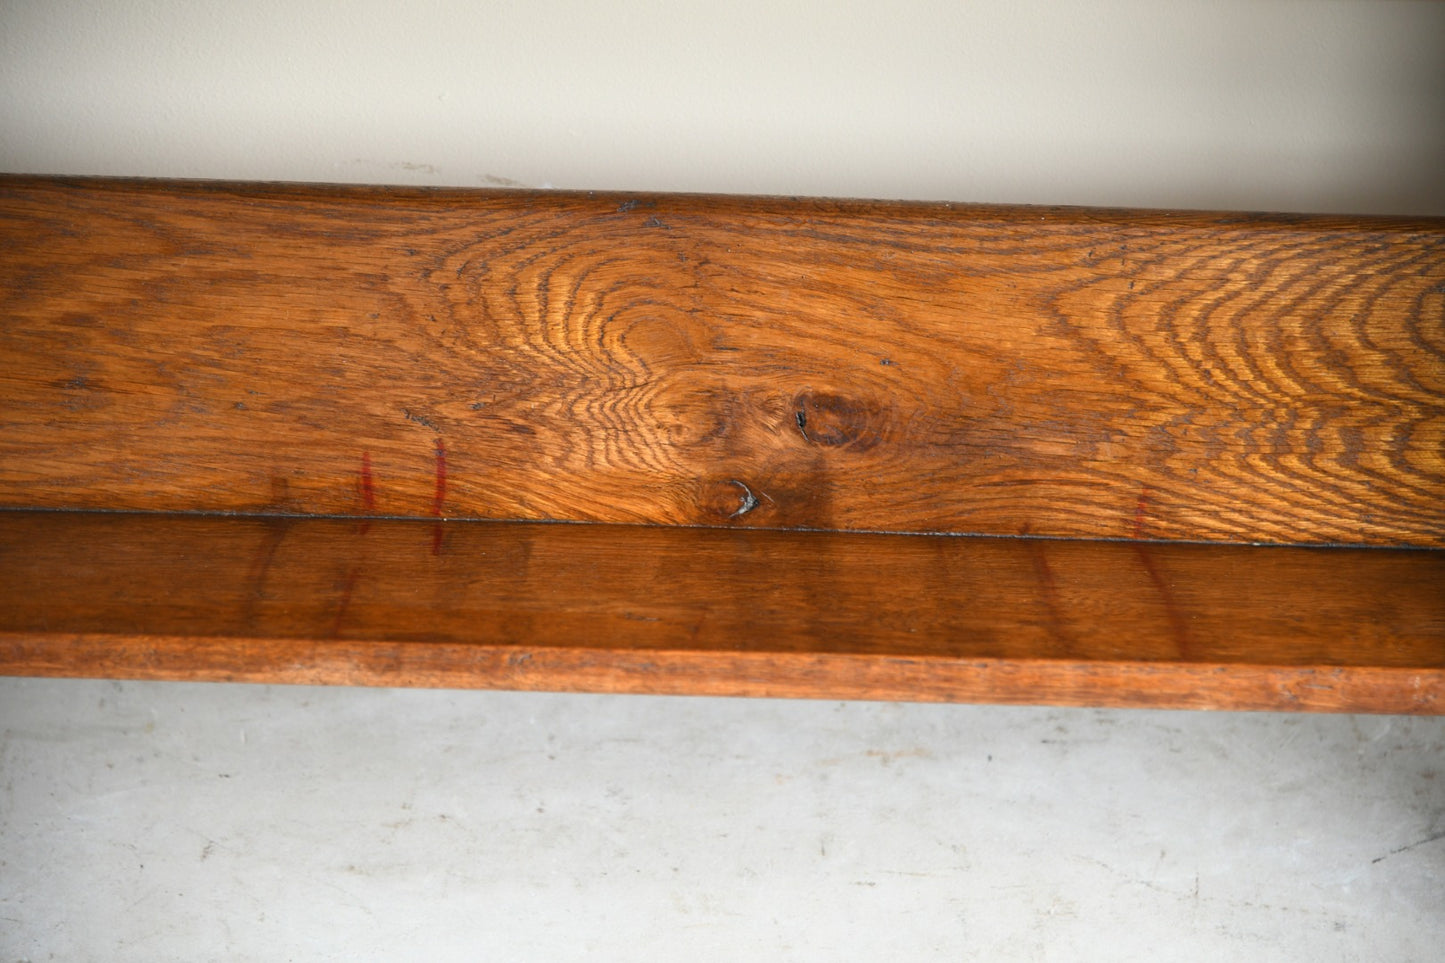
x=1141, y=512
x=441, y=496
x=347, y=588
x=366, y=484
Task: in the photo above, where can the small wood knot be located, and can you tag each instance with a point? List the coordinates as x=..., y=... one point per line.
x=728, y=499
x=835, y=421
x=748, y=503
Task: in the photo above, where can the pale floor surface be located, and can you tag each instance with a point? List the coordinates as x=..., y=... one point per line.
x=145, y=821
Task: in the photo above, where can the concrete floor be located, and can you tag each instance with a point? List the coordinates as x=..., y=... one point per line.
x=144, y=821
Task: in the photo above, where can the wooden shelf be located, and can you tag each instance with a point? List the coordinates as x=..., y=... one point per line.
x=1142, y=458
x=667, y=610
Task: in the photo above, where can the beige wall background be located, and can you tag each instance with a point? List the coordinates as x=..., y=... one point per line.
x=1264, y=104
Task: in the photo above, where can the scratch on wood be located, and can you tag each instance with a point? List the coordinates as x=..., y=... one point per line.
x=347, y=588
x=366, y=485
x=422, y=420
x=440, y=496
x=441, y=471
x=1049, y=587
x=1177, y=624
x=261, y=565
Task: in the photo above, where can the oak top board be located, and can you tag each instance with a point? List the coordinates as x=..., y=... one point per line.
x=679, y=360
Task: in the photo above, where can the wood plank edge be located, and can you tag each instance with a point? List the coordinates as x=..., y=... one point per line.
x=817, y=675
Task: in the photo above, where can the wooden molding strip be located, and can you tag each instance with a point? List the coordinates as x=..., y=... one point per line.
x=735, y=362
x=706, y=611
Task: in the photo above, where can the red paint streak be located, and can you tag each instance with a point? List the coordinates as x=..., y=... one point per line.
x=346, y=589
x=441, y=496
x=1141, y=512
x=366, y=484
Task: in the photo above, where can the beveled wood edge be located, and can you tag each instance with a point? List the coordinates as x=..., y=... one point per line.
x=1155, y=685
x=447, y=195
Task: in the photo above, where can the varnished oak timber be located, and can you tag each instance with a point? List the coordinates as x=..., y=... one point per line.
x=759, y=387
x=747, y=363
x=638, y=609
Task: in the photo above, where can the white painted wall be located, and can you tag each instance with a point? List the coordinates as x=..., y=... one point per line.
x=1275, y=104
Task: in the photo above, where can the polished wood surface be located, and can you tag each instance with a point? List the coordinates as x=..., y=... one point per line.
x=744, y=363
x=643, y=609
x=759, y=388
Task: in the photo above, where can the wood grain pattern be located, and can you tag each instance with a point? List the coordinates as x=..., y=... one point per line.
x=727, y=362
x=640, y=609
